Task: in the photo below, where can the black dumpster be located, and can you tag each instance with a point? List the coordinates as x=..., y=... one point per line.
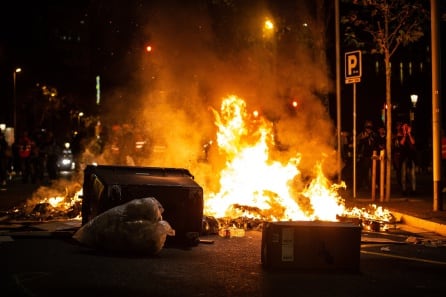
x=181, y=197
x=312, y=245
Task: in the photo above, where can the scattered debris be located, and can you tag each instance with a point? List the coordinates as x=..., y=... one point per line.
x=206, y=241
x=231, y=232
x=385, y=249
x=413, y=239
x=427, y=242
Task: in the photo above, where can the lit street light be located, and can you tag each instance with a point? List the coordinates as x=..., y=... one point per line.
x=414, y=100
x=269, y=25
x=80, y=114
x=14, y=74
x=269, y=53
x=268, y=28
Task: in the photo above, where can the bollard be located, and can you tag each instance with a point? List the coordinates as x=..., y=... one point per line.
x=373, y=186
x=382, y=174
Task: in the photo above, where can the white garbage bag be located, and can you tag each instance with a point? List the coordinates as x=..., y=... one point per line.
x=136, y=226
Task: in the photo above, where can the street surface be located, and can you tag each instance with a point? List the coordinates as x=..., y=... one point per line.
x=42, y=259
x=53, y=264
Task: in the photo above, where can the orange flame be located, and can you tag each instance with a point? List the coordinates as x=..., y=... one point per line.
x=253, y=185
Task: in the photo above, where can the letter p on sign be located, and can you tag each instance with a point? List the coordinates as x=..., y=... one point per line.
x=352, y=63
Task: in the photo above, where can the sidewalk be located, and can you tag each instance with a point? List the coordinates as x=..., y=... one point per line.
x=416, y=211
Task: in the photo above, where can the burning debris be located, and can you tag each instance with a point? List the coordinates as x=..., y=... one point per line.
x=373, y=218
x=60, y=201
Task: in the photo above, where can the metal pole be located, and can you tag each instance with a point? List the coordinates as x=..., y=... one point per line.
x=374, y=158
x=354, y=140
x=338, y=88
x=382, y=174
x=14, y=78
x=436, y=107
x=14, y=103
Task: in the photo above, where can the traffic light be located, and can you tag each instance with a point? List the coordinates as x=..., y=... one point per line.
x=293, y=106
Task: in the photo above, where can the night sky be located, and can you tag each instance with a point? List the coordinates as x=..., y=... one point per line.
x=66, y=44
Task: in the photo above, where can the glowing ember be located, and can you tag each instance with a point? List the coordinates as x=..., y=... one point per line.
x=64, y=203
x=55, y=201
x=253, y=185
x=372, y=212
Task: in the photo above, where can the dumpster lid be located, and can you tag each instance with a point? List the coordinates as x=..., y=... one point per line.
x=141, y=175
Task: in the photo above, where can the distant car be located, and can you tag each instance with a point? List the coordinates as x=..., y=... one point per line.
x=66, y=163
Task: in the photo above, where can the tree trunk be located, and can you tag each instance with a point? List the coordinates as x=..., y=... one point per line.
x=388, y=125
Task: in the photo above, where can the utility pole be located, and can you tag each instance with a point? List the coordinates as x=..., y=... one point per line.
x=338, y=88
x=436, y=106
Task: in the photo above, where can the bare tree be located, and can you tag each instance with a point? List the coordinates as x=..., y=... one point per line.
x=383, y=26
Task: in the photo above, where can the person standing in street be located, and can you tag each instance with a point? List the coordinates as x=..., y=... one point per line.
x=366, y=144
x=408, y=160
x=380, y=145
x=396, y=152
x=3, y=159
x=25, y=147
x=52, y=152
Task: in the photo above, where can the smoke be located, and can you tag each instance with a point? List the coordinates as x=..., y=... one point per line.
x=203, y=51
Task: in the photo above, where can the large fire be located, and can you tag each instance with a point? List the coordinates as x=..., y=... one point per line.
x=252, y=184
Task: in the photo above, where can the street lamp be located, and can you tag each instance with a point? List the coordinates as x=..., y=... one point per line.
x=414, y=100
x=80, y=114
x=14, y=74
x=268, y=28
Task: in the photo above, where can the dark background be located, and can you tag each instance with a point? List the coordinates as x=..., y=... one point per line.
x=65, y=44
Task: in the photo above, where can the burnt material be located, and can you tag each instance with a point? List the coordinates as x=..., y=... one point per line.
x=312, y=245
x=181, y=197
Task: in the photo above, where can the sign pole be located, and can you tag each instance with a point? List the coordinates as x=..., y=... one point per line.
x=353, y=72
x=354, y=140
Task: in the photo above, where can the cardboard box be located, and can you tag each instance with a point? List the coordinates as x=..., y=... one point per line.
x=311, y=245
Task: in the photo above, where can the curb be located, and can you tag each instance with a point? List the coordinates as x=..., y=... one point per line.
x=420, y=223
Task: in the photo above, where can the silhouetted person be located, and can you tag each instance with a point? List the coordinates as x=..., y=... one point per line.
x=396, y=152
x=25, y=149
x=4, y=148
x=408, y=160
x=366, y=143
x=52, y=152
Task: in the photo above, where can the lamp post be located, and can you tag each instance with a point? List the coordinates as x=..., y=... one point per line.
x=80, y=114
x=268, y=28
x=14, y=119
x=414, y=100
x=268, y=57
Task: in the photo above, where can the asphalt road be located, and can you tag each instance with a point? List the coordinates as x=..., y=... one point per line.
x=42, y=265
